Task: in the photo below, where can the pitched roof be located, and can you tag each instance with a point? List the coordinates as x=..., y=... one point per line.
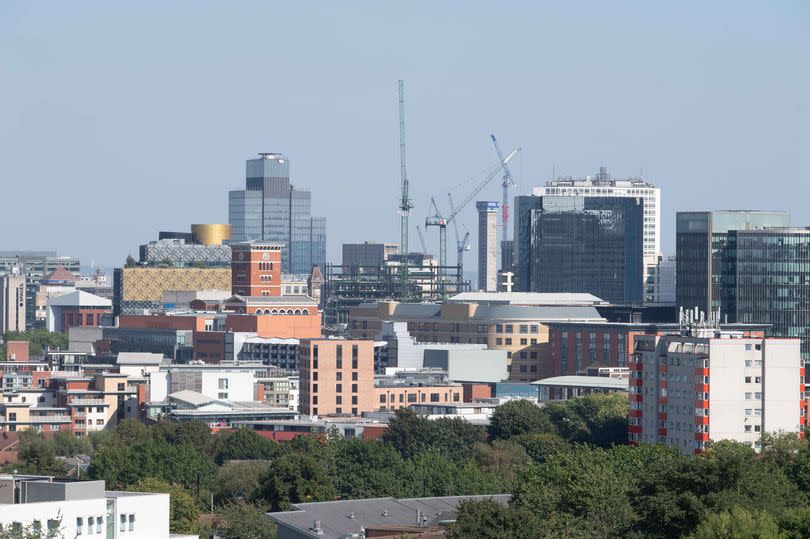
x=60, y=274
x=79, y=298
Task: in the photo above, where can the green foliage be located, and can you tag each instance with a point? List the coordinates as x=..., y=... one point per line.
x=37, y=455
x=34, y=530
x=738, y=524
x=240, y=520
x=243, y=444
x=411, y=434
x=600, y=420
x=518, y=417
x=297, y=478
x=183, y=509
x=541, y=446
x=237, y=481
x=39, y=339
x=67, y=444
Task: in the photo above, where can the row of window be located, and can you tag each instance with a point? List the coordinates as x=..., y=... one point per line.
x=412, y=397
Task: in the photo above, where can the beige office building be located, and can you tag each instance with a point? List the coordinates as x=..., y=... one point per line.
x=12, y=296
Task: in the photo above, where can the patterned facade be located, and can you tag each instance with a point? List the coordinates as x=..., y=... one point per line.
x=139, y=289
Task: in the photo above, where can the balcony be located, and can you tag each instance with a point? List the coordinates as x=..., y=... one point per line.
x=635, y=413
x=662, y=416
x=635, y=382
x=700, y=371
x=702, y=436
x=634, y=429
x=700, y=403
x=662, y=432
x=702, y=388
x=701, y=420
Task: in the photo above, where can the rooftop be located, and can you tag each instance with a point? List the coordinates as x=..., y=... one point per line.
x=79, y=298
x=347, y=517
x=529, y=298
x=599, y=382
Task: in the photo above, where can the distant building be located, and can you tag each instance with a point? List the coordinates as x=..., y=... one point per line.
x=35, y=265
x=560, y=388
x=516, y=323
x=138, y=290
x=12, y=303
x=271, y=209
x=487, y=245
x=592, y=244
x=700, y=243
x=205, y=246
x=711, y=385
x=659, y=286
x=368, y=253
x=601, y=185
x=76, y=309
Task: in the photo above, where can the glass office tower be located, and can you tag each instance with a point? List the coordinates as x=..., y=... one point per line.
x=270, y=208
x=580, y=244
x=700, y=242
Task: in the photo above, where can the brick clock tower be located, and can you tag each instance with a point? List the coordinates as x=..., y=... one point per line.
x=256, y=269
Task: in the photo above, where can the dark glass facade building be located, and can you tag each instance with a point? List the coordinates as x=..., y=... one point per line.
x=271, y=209
x=580, y=244
x=765, y=277
x=700, y=242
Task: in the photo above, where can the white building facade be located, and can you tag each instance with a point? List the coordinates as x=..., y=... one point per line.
x=711, y=385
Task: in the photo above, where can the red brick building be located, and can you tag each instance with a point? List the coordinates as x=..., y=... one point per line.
x=256, y=269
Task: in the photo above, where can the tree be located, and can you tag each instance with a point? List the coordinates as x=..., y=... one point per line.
x=542, y=446
x=795, y=524
x=237, y=481
x=737, y=524
x=39, y=339
x=486, y=519
x=408, y=433
x=504, y=458
x=243, y=444
x=518, y=417
x=240, y=520
x=67, y=444
x=365, y=469
x=295, y=478
x=600, y=420
x=130, y=262
x=34, y=530
x=37, y=455
x=183, y=510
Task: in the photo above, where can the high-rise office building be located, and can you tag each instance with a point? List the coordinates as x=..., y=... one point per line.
x=580, y=244
x=700, y=242
x=487, y=245
x=271, y=209
x=601, y=185
x=12, y=303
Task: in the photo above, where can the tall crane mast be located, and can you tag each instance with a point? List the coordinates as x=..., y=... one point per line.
x=405, y=204
x=461, y=244
x=437, y=219
x=506, y=183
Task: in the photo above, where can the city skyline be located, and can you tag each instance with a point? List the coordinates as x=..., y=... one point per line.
x=684, y=109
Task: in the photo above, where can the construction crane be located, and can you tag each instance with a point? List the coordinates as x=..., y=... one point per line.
x=437, y=219
x=461, y=244
x=422, y=240
x=405, y=204
x=506, y=183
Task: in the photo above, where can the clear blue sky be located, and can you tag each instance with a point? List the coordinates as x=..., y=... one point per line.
x=121, y=119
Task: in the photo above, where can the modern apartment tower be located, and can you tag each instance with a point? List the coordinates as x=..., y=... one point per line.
x=271, y=209
x=603, y=185
x=580, y=244
x=487, y=245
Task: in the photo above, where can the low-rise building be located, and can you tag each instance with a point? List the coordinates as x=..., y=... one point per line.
x=65, y=508
x=76, y=309
x=558, y=388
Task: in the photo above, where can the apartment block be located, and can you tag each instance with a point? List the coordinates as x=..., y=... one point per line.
x=708, y=384
x=337, y=376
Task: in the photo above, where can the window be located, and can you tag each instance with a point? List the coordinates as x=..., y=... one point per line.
x=12, y=416
x=498, y=328
x=338, y=400
x=747, y=379
x=757, y=379
x=338, y=376
x=533, y=341
x=121, y=387
x=354, y=388
x=131, y=522
x=222, y=395
x=508, y=342
x=122, y=525
x=401, y=397
x=434, y=397
x=382, y=398
x=749, y=411
x=757, y=428
x=524, y=342
x=412, y=397
x=509, y=328
x=315, y=399
x=523, y=368
x=354, y=377
x=79, y=525
x=99, y=421
x=339, y=388
x=53, y=527
x=749, y=396
x=354, y=400
x=748, y=428
x=534, y=328
x=524, y=328
x=498, y=341
x=456, y=397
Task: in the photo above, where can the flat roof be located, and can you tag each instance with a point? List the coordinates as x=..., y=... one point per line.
x=530, y=298
x=598, y=382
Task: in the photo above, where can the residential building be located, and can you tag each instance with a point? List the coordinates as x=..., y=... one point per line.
x=140, y=290
x=67, y=508
x=12, y=303
x=487, y=245
x=337, y=377
x=368, y=253
x=490, y=319
x=700, y=243
x=707, y=384
x=271, y=209
x=378, y=517
x=592, y=244
x=76, y=309
x=604, y=185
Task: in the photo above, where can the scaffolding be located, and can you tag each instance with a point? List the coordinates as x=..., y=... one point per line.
x=349, y=286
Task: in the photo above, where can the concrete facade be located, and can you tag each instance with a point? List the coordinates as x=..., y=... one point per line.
x=487, y=245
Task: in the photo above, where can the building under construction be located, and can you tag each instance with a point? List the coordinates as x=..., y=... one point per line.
x=349, y=286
